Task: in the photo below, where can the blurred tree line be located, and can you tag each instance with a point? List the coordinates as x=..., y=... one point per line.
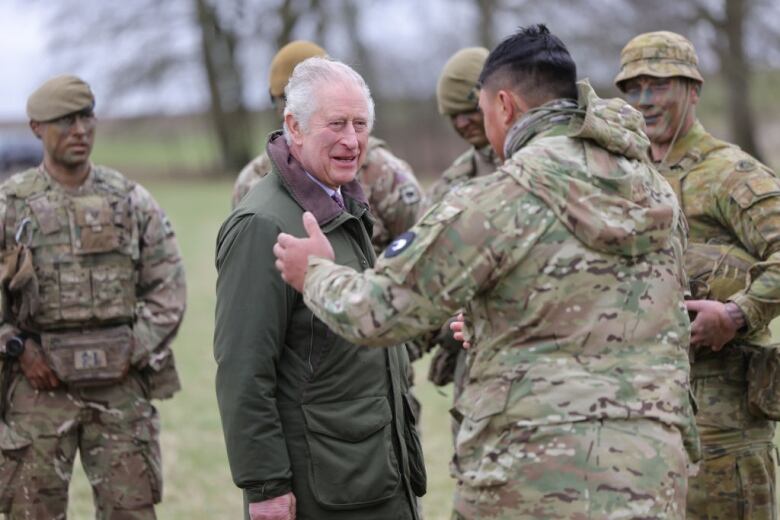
x=216, y=53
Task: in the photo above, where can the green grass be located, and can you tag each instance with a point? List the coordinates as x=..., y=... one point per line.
x=197, y=479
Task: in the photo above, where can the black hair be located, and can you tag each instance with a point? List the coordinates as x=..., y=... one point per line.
x=534, y=63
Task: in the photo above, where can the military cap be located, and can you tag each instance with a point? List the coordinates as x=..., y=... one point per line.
x=456, y=90
x=285, y=61
x=59, y=96
x=662, y=54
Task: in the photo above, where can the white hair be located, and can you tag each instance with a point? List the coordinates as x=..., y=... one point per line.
x=301, y=91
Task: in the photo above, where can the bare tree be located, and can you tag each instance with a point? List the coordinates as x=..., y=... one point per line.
x=229, y=115
x=729, y=44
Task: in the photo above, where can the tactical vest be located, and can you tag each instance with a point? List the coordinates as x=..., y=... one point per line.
x=85, y=245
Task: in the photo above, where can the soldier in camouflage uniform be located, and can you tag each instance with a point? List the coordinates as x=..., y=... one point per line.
x=93, y=294
x=393, y=193
x=457, y=94
x=732, y=202
x=568, y=263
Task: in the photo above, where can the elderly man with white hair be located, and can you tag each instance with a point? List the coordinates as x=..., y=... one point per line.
x=316, y=427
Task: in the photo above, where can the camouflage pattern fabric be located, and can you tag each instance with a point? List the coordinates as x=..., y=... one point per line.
x=568, y=261
x=392, y=190
x=115, y=430
x=661, y=54
x=472, y=163
x=103, y=255
x=731, y=199
x=609, y=469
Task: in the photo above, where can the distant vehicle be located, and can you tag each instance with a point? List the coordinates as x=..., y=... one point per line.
x=17, y=153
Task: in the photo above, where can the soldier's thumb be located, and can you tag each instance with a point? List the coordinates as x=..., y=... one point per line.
x=311, y=226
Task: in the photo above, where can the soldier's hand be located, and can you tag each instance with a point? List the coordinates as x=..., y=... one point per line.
x=457, y=325
x=713, y=326
x=35, y=368
x=277, y=508
x=292, y=254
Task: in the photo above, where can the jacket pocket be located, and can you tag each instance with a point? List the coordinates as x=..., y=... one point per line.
x=352, y=463
x=12, y=447
x=418, y=477
x=478, y=442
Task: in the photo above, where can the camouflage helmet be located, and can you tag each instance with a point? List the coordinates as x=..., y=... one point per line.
x=662, y=54
x=456, y=90
x=285, y=61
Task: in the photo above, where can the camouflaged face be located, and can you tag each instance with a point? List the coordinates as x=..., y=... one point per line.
x=573, y=290
x=662, y=54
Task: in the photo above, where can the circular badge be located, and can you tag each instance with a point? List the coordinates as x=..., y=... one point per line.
x=399, y=245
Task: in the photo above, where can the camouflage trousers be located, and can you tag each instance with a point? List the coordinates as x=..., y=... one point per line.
x=115, y=429
x=595, y=469
x=736, y=478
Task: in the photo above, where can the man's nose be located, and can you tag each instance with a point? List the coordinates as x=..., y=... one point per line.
x=350, y=136
x=79, y=125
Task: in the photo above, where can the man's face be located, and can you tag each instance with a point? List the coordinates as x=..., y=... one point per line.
x=68, y=140
x=663, y=102
x=495, y=129
x=470, y=126
x=333, y=146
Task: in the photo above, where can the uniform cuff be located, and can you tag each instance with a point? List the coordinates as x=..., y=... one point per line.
x=267, y=490
x=754, y=317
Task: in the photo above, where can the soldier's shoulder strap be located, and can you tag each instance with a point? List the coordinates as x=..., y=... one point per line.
x=26, y=184
x=112, y=180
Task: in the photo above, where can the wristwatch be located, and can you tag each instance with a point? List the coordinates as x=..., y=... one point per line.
x=14, y=347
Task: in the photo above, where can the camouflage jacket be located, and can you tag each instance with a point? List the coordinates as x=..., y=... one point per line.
x=728, y=197
x=568, y=263
x=470, y=164
x=393, y=193
x=104, y=253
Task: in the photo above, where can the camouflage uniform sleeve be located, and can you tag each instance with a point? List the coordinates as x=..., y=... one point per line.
x=455, y=252
x=393, y=193
x=248, y=177
x=461, y=170
x=160, y=289
x=749, y=201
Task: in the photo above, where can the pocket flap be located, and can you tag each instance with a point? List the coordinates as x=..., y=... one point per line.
x=10, y=439
x=351, y=421
x=482, y=400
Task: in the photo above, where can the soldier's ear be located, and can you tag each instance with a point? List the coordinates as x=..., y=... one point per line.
x=35, y=126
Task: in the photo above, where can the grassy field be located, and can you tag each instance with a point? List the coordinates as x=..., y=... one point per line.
x=197, y=480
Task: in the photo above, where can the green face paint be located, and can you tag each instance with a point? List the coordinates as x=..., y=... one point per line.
x=663, y=102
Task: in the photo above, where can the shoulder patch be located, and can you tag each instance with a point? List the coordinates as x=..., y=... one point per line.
x=756, y=189
x=399, y=245
x=745, y=165
x=410, y=194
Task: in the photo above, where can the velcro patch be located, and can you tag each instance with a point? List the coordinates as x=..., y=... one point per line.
x=761, y=186
x=89, y=359
x=399, y=245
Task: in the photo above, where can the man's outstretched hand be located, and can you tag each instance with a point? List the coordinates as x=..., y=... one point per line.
x=292, y=254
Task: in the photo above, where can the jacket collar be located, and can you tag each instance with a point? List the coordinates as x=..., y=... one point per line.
x=306, y=192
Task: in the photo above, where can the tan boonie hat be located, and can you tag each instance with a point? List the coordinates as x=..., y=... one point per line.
x=456, y=90
x=285, y=61
x=59, y=96
x=662, y=54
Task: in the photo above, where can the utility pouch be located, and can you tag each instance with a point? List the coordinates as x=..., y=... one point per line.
x=763, y=377
x=94, y=358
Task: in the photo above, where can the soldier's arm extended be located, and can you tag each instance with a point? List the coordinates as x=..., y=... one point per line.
x=160, y=288
x=459, y=249
x=750, y=203
x=252, y=314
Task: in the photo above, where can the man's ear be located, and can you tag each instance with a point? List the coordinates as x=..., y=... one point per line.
x=296, y=132
x=695, y=92
x=35, y=126
x=512, y=107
